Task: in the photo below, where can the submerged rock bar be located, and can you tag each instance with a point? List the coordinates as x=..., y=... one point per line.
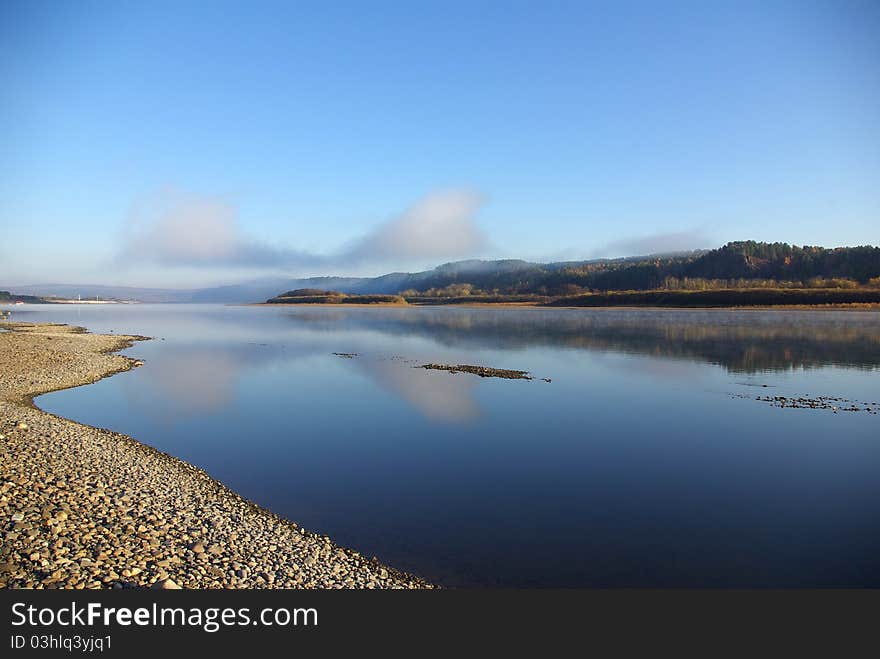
x=482, y=371
x=82, y=507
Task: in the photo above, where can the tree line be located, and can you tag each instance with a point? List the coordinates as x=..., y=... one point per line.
x=736, y=265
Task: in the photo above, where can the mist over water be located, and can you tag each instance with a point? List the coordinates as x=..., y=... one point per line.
x=646, y=461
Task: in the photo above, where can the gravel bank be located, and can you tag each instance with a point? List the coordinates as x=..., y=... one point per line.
x=88, y=508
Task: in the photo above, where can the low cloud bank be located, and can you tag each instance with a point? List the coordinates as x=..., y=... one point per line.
x=658, y=243
x=196, y=232
x=192, y=231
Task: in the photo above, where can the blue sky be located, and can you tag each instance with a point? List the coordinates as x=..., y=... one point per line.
x=186, y=143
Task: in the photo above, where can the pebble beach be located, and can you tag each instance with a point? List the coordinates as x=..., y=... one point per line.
x=82, y=507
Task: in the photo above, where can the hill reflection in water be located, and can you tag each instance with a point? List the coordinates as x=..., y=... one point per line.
x=740, y=341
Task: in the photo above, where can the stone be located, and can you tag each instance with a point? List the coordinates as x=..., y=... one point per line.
x=166, y=584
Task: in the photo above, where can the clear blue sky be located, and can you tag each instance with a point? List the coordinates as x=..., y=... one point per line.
x=307, y=131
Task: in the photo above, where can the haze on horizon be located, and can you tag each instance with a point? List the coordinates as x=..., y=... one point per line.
x=175, y=145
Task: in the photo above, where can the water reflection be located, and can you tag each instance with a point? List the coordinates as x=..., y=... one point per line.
x=435, y=395
x=635, y=467
x=187, y=378
x=740, y=341
x=191, y=380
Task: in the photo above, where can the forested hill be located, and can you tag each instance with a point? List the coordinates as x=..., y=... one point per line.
x=749, y=260
x=740, y=264
x=745, y=264
x=736, y=265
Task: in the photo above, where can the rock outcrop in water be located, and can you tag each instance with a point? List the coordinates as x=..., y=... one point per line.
x=482, y=371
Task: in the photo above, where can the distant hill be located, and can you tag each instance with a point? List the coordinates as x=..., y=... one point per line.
x=389, y=284
x=6, y=296
x=735, y=265
x=72, y=291
x=317, y=296
x=260, y=289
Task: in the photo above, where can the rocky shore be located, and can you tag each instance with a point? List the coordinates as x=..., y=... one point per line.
x=87, y=508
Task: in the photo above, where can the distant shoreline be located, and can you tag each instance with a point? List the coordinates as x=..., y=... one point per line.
x=593, y=302
x=863, y=297
x=534, y=305
x=598, y=301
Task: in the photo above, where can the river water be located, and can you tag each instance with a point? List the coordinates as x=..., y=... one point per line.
x=646, y=461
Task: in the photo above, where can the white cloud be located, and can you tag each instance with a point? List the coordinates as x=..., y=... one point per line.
x=176, y=229
x=440, y=225
x=657, y=243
